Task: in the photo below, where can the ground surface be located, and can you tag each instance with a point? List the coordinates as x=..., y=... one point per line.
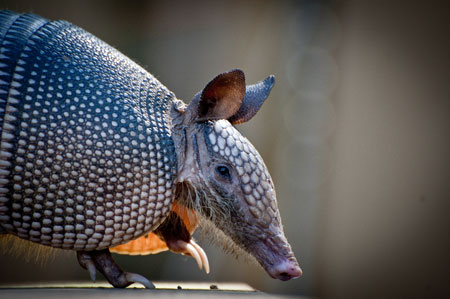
x=103, y=290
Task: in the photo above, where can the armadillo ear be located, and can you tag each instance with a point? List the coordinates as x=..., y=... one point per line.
x=255, y=96
x=222, y=97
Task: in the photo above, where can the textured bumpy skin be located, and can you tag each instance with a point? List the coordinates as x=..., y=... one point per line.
x=87, y=160
x=225, y=141
x=97, y=156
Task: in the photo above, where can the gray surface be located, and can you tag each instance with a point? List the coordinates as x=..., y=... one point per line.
x=163, y=290
x=128, y=293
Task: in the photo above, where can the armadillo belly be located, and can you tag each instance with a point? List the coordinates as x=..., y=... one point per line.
x=86, y=155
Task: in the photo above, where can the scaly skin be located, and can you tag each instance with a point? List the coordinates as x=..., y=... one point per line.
x=95, y=153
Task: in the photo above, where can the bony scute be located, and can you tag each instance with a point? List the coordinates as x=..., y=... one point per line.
x=105, y=167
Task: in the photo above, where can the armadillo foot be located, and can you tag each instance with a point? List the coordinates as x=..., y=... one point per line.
x=179, y=240
x=85, y=260
x=102, y=261
x=192, y=249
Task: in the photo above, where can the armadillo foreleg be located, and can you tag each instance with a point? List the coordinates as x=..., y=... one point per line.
x=178, y=239
x=102, y=261
x=85, y=260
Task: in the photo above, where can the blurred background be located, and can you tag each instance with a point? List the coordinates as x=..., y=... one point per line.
x=355, y=133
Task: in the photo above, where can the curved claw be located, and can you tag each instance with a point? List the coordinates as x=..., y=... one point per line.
x=177, y=237
x=203, y=256
x=192, y=249
x=134, y=277
x=193, y=252
x=86, y=261
x=102, y=261
x=92, y=271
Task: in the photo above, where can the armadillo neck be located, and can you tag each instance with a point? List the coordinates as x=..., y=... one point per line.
x=87, y=158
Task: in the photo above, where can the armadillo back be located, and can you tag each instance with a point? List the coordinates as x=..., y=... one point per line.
x=87, y=160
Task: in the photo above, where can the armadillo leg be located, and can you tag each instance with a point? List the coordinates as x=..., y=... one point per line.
x=85, y=260
x=102, y=261
x=178, y=239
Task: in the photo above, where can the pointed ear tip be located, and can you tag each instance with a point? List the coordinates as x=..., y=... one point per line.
x=239, y=73
x=269, y=82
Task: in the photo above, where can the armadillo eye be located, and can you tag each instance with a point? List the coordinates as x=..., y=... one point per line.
x=224, y=172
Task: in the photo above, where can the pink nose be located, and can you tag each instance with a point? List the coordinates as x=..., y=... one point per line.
x=285, y=270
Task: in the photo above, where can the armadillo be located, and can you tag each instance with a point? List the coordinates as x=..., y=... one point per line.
x=97, y=156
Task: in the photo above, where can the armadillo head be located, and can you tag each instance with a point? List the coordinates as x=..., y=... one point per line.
x=229, y=183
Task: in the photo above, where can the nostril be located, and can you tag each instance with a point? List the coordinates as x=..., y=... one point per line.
x=285, y=271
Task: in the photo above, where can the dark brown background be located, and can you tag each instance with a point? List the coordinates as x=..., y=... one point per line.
x=355, y=133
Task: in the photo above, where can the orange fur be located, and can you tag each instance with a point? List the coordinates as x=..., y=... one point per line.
x=151, y=243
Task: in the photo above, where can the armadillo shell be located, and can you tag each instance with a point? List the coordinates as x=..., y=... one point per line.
x=87, y=160
x=151, y=243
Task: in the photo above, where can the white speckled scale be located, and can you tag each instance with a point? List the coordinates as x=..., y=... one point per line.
x=224, y=140
x=87, y=160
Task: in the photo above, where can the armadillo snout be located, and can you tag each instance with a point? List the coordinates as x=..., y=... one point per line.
x=285, y=270
x=255, y=223
x=232, y=186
